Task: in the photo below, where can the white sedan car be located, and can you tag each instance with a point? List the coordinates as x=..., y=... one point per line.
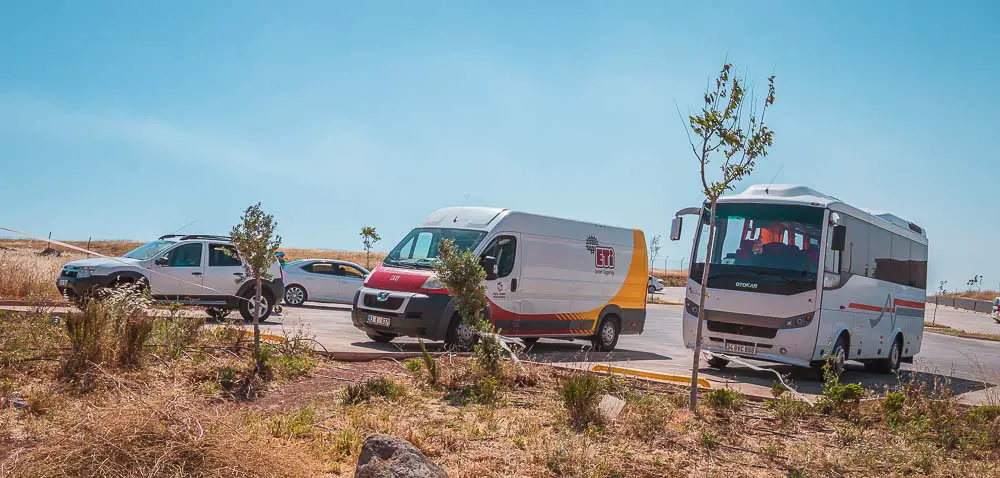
x=322, y=280
x=654, y=285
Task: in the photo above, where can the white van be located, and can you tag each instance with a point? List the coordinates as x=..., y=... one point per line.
x=546, y=277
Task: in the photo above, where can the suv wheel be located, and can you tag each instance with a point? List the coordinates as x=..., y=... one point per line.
x=248, y=303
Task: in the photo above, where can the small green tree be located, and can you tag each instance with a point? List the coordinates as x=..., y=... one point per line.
x=256, y=245
x=654, y=251
x=462, y=274
x=368, y=239
x=740, y=136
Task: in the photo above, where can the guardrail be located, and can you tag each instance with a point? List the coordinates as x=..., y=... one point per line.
x=983, y=306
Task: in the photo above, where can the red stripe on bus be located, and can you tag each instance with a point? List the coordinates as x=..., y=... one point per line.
x=909, y=303
x=871, y=308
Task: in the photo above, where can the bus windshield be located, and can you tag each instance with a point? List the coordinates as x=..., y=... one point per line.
x=420, y=247
x=756, y=240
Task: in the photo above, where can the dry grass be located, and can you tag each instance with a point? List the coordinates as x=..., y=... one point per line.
x=357, y=257
x=173, y=419
x=671, y=278
x=988, y=295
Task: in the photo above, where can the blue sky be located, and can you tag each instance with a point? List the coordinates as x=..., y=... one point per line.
x=128, y=120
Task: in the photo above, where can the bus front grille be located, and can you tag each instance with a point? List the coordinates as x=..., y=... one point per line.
x=742, y=329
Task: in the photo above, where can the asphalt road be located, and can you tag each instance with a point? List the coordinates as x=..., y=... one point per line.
x=968, y=364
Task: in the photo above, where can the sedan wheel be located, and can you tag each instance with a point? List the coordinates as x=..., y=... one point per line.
x=295, y=295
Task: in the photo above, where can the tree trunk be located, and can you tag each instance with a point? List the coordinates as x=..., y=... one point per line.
x=701, y=306
x=256, y=329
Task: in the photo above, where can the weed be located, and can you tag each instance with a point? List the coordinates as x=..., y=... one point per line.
x=293, y=366
x=788, y=409
x=837, y=399
x=893, y=402
x=581, y=395
x=347, y=442
x=414, y=365
x=175, y=333
x=725, y=399
x=489, y=355
x=709, y=440
x=777, y=388
x=649, y=416
x=433, y=375
x=371, y=388
x=292, y=425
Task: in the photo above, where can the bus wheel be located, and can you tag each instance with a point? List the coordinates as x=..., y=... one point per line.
x=607, y=335
x=837, y=360
x=891, y=363
x=717, y=362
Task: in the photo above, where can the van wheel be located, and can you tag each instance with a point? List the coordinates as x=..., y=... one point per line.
x=460, y=336
x=891, y=363
x=607, y=335
x=247, y=305
x=380, y=337
x=717, y=362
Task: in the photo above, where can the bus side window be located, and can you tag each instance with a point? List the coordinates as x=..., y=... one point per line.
x=879, y=247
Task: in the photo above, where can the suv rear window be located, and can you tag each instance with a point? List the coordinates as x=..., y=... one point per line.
x=221, y=255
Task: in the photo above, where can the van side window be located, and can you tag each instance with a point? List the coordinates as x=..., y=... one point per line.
x=504, y=249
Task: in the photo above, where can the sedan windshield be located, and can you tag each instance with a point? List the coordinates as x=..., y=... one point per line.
x=148, y=250
x=420, y=247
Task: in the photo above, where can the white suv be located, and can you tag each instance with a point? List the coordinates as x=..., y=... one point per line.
x=186, y=269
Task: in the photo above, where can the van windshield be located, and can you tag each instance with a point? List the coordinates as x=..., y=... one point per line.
x=148, y=250
x=420, y=247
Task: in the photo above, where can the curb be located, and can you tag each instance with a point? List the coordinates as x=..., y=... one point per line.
x=30, y=303
x=370, y=356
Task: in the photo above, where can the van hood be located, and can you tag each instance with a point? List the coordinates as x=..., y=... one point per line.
x=102, y=262
x=401, y=279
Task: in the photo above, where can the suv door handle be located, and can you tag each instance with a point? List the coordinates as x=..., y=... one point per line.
x=513, y=285
x=196, y=273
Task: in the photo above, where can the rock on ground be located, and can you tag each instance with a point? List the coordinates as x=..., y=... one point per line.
x=386, y=456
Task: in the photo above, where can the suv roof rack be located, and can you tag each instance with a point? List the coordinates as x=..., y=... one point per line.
x=204, y=236
x=168, y=236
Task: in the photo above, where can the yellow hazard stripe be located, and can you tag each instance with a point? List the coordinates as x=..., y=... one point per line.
x=647, y=374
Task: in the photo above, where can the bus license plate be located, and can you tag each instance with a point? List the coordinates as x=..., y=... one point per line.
x=62, y=283
x=742, y=349
x=380, y=321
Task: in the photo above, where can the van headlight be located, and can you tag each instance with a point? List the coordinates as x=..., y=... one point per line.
x=85, y=271
x=432, y=283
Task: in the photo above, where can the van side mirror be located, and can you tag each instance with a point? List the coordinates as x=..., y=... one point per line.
x=839, y=238
x=489, y=264
x=675, y=228
x=161, y=261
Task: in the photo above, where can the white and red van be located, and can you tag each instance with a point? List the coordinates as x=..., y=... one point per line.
x=546, y=277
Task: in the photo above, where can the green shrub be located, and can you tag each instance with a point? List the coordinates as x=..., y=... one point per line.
x=430, y=364
x=893, y=402
x=581, y=395
x=368, y=389
x=489, y=355
x=837, y=399
x=725, y=399
x=175, y=333
x=788, y=408
x=293, y=366
x=414, y=365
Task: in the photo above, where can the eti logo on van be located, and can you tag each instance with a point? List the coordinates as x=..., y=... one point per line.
x=604, y=257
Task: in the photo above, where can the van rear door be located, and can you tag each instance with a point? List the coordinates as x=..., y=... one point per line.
x=504, y=291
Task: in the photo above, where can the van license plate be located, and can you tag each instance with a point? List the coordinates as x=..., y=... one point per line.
x=742, y=349
x=380, y=321
x=62, y=282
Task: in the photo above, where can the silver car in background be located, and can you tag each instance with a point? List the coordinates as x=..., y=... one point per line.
x=322, y=280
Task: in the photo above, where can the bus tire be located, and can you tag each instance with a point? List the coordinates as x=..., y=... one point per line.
x=838, y=355
x=606, y=337
x=891, y=363
x=717, y=363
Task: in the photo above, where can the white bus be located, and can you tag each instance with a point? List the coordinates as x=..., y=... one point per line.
x=799, y=277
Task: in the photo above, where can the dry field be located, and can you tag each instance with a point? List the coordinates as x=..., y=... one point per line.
x=975, y=294
x=184, y=401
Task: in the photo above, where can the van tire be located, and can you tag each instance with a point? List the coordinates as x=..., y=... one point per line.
x=380, y=337
x=891, y=363
x=606, y=337
x=460, y=336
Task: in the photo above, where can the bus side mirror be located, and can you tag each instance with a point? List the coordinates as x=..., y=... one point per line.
x=839, y=237
x=489, y=264
x=675, y=228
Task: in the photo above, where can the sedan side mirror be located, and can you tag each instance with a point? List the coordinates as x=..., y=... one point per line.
x=489, y=264
x=675, y=228
x=160, y=261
